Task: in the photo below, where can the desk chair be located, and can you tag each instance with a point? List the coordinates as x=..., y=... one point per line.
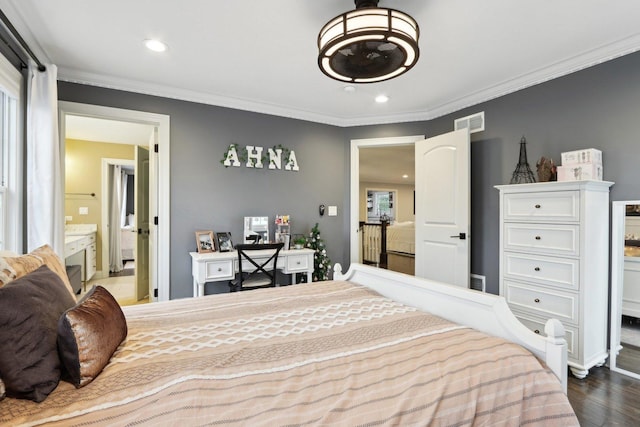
x=262, y=271
x=254, y=238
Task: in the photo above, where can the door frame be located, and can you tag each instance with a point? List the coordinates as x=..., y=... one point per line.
x=160, y=255
x=356, y=144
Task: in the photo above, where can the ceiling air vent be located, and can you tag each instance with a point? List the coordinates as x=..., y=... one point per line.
x=474, y=122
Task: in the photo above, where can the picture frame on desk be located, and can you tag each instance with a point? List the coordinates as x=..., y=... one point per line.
x=205, y=242
x=225, y=244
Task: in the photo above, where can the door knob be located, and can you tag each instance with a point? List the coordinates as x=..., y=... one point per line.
x=461, y=236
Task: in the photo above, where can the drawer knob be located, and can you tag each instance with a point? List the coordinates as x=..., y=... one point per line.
x=219, y=268
x=536, y=300
x=537, y=206
x=537, y=269
x=537, y=331
x=538, y=237
x=298, y=263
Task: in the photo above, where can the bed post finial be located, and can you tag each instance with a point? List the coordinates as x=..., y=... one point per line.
x=556, y=350
x=337, y=269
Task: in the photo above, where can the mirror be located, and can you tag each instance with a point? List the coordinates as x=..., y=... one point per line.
x=256, y=229
x=625, y=289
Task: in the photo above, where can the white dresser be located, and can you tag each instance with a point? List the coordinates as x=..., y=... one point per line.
x=554, y=262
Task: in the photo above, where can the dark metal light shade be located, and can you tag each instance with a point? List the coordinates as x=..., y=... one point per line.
x=369, y=44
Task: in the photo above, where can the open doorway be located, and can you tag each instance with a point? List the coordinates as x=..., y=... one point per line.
x=124, y=221
x=376, y=165
x=157, y=138
x=118, y=217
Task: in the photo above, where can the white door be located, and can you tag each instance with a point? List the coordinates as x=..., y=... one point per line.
x=442, y=208
x=142, y=222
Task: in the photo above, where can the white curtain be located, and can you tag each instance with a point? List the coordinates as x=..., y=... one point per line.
x=115, y=212
x=123, y=207
x=45, y=185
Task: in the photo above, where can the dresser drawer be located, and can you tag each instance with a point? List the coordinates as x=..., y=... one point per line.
x=544, y=206
x=561, y=272
x=297, y=263
x=542, y=238
x=563, y=306
x=571, y=334
x=219, y=270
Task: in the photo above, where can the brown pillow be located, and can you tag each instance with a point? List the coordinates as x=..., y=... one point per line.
x=12, y=268
x=30, y=307
x=89, y=334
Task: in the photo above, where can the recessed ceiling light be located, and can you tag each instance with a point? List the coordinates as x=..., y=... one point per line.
x=381, y=99
x=405, y=176
x=155, y=45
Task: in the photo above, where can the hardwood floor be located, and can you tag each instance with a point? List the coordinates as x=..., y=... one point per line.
x=605, y=398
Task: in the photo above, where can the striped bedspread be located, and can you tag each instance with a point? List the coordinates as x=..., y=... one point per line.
x=326, y=353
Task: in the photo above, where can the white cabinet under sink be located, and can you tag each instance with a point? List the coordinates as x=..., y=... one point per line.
x=80, y=248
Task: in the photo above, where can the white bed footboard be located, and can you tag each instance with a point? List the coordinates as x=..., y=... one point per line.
x=485, y=312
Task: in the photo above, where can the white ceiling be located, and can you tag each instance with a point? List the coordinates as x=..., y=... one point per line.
x=262, y=55
x=102, y=130
x=387, y=165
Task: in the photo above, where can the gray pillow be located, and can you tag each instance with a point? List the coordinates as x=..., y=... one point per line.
x=30, y=307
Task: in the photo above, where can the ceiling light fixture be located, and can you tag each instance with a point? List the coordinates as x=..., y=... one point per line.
x=155, y=45
x=369, y=44
x=381, y=99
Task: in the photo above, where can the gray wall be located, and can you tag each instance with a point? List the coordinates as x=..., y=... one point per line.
x=595, y=108
x=207, y=196
x=598, y=107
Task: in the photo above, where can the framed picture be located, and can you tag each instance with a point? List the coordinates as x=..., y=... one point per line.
x=205, y=242
x=224, y=241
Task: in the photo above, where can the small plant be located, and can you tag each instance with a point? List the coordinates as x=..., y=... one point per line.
x=300, y=241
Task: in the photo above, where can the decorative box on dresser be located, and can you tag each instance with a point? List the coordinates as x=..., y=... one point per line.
x=554, y=262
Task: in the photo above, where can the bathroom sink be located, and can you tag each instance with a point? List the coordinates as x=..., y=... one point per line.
x=79, y=229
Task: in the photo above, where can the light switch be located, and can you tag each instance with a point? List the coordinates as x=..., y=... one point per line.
x=333, y=211
x=83, y=210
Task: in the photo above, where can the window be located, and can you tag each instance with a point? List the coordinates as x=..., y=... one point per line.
x=380, y=205
x=10, y=158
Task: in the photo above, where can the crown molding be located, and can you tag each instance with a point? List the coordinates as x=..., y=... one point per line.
x=145, y=88
x=570, y=65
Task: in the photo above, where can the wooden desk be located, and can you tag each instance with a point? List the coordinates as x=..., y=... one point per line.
x=223, y=266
